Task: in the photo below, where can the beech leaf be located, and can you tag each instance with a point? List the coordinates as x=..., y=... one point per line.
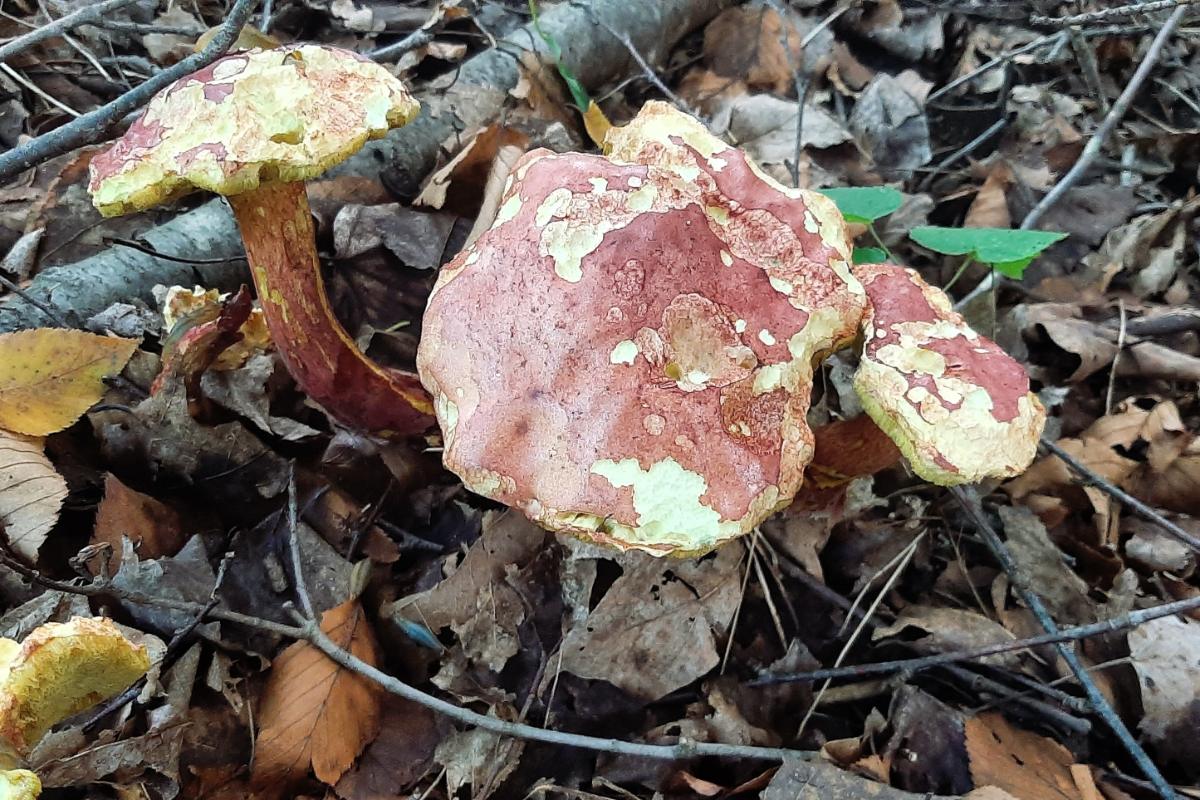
x=31, y=493
x=315, y=712
x=50, y=376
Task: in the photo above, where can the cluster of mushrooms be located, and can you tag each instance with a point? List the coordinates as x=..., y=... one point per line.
x=627, y=354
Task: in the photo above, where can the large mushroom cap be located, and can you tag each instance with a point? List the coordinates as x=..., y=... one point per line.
x=958, y=407
x=262, y=115
x=627, y=354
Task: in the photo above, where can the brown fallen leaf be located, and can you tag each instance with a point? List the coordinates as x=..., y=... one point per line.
x=31, y=493
x=1027, y=766
x=755, y=44
x=950, y=629
x=154, y=527
x=989, y=209
x=658, y=627
x=399, y=757
x=315, y=712
x=50, y=376
x=1164, y=653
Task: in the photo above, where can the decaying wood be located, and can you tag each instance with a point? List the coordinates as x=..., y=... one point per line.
x=456, y=103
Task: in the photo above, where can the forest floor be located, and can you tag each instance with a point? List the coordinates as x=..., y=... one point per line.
x=874, y=639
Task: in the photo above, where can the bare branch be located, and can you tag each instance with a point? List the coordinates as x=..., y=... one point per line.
x=84, y=16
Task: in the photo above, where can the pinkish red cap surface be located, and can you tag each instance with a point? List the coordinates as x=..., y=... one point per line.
x=626, y=355
x=958, y=407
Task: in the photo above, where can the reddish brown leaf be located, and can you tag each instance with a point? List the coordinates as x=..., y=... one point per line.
x=153, y=527
x=315, y=712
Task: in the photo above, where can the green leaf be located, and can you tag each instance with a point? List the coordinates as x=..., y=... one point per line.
x=1013, y=269
x=1003, y=248
x=578, y=93
x=868, y=255
x=865, y=203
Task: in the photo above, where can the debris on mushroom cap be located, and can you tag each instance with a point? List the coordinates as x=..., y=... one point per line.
x=286, y=114
x=58, y=670
x=958, y=407
x=627, y=354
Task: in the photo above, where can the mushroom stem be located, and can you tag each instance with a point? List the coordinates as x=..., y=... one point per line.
x=849, y=449
x=280, y=242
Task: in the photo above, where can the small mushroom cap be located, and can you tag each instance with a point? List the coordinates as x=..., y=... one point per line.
x=287, y=114
x=626, y=355
x=958, y=407
x=58, y=670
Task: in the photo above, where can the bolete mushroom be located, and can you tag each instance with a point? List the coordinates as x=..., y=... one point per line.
x=59, y=670
x=253, y=126
x=627, y=354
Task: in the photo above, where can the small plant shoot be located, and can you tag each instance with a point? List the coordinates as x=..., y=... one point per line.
x=1008, y=251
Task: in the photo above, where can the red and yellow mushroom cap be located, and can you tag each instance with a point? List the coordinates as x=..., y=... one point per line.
x=958, y=407
x=252, y=117
x=626, y=355
x=60, y=669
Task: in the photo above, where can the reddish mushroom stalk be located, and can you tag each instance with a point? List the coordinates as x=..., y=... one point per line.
x=278, y=234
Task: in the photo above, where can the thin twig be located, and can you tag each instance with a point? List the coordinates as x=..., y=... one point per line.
x=301, y=586
x=1112, y=371
x=959, y=673
x=919, y=664
x=416, y=39
x=150, y=251
x=998, y=61
x=87, y=14
x=93, y=126
x=33, y=301
x=1114, y=491
x=647, y=70
x=37, y=90
x=669, y=752
x=1095, y=144
x=1033, y=601
x=1107, y=14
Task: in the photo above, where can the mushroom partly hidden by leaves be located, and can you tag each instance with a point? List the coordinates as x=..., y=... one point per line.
x=253, y=126
x=627, y=355
x=59, y=670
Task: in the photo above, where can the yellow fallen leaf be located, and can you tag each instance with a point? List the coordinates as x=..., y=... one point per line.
x=31, y=493
x=596, y=123
x=50, y=376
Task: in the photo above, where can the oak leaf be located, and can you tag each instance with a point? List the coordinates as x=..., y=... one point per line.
x=31, y=493
x=50, y=376
x=315, y=712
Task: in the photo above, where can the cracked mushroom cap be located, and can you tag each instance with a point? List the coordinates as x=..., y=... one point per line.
x=958, y=407
x=626, y=355
x=287, y=114
x=58, y=670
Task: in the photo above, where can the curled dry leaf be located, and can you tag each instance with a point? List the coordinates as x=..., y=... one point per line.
x=315, y=712
x=31, y=493
x=49, y=376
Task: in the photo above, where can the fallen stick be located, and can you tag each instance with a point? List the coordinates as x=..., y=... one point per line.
x=473, y=97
